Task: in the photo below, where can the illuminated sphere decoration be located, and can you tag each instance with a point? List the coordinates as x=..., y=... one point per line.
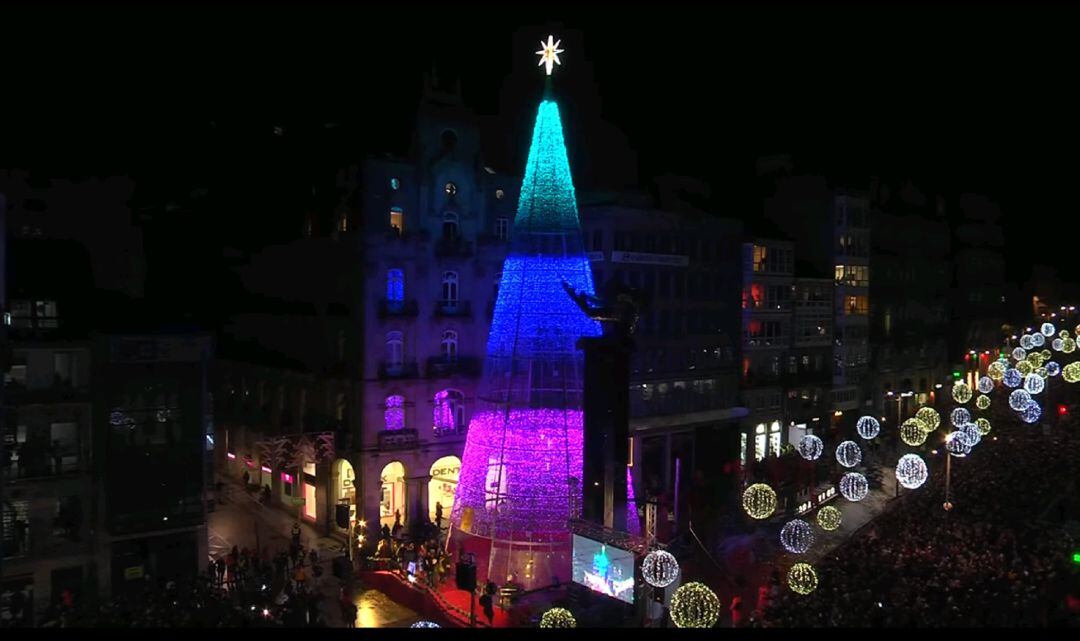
x=1025, y=367
x=911, y=471
x=659, y=568
x=1057, y=344
x=986, y=385
x=868, y=427
x=811, y=447
x=759, y=501
x=1045, y=355
x=1047, y=329
x=1012, y=377
x=1071, y=372
x=1025, y=342
x=558, y=618
x=996, y=370
x=1034, y=383
x=961, y=393
x=959, y=416
x=983, y=424
x=848, y=454
x=1019, y=354
x=694, y=606
x=829, y=518
x=912, y=432
x=1031, y=413
x=1038, y=340
x=956, y=445
x=1053, y=369
x=854, y=486
x=1068, y=345
x=1043, y=373
x=928, y=418
x=802, y=579
x=797, y=536
x=425, y=624
x=982, y=402
x=969, y=434
x=1019, y=399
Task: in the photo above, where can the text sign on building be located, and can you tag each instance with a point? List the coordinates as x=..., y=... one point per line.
x=596, y=257
x=671, y=260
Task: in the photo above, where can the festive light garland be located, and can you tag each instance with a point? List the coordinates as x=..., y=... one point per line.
x=1068, y=345
x=986, y=384
x=912, y=432
x=956, y=445
x=694, y=606
x=1057, y=344
x=1034, y=383
x=868, y=427
x=796, y=536
x=1071, y=372
x=1026, y=342
x=425, y=624
x=759, y=501
x=983, y=424
x=1031, y=413
x=911, y=471
x=1053, y=369
x=558, y=618
x=1019, y=399
x=854, y=487
x=1038, y=340
x=1043, y=372
x=982, y=402
x=848, y=454
x=1019, y=354
x=1025, y=367
x=961, y=392
x=1047, y=329
x=829, y=518
x=929, y=418
x=802, y=579
x=996, y=370
x=810, y=447
x=1012, y=377
x=969, y=434
x=659, y=568
x=959, y=416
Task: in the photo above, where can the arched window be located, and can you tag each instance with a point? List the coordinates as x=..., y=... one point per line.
x=395, y=350
x=449, y=416
x=449, y=289
x=449, y=345
x=394, y=414
x=395, y=288
x=450, y=226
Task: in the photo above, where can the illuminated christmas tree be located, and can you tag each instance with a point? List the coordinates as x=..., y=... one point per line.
x=521, y=470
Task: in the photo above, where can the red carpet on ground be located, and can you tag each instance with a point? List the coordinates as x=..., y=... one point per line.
x=448, y=607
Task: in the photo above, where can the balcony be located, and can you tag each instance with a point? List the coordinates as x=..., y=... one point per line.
x=398, y=309
x=453, y=309
x=404, y=439
x=59, y=392
x=398, y=370
x=440, y=367
x=447, y=247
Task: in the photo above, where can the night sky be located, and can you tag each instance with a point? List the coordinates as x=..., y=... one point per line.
x=959, y=100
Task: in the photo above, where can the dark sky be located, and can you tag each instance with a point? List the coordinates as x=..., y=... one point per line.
x=958, y=98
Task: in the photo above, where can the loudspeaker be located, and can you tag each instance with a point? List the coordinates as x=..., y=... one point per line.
x=465, y=576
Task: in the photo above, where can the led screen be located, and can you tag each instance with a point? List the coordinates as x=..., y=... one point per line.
x=604, y=569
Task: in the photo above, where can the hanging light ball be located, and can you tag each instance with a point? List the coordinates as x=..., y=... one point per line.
x=1034, y=383
x=996, y=370
x=854, y=486
x=811, y=447
x=1019, y=399
x=983, y=424
x=961, y=393
x=1045, y=355
x=986, y=385
x=982, y=402
x=796, y=536
x=1042, y=372
x=425, y=624
x=928, y=418
x=1071, y=372
x=969, y=434
x=959, y=416
x=1037, y=340
x=1025, y=367
x=1012, y=377
x=1047, y=329
x=659, y=568
x=559, y=618
x=694, y=606
x=848, y=454
x=911, y=471
x=1068, y=345
x=802, y=579
x=1057, y=344
x=1031, y=413
x=1019, y=354
x=828, y=518
x=868, y=427
x=759, y=501
x=956, y=445
x=1025, y=342
x=912, y=432
x=1053, y=369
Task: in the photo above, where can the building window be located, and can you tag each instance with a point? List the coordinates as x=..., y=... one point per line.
x=852, y=275
x=395, y=350
x=761, y=441
x=451, y=189
x=397, y=220
x=502, y=228
x=449, y=415
x=742, y=449
x=761, y=253
x=449, y=345
x=395, y=184
x=16, y=528
x=449, y=289
x=395, y=288
x=598, y=240
x=500, y=194
x=450, y=226
x=774, y=438
x=394, y=415
x=856, y=305
x=343, y=222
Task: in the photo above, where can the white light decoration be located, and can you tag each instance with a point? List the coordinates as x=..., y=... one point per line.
x=983, y=424
x=1025, y=342
x=1038, y=340
x=797, y=536
x=982, y=402
x=1034, y=383
x=996, y=370
x=549, y=53
x=959, y=416
x=956, y=445
x=694, y=606
x=1019, y=354
x=848, y=454
x=969, y=434
x=928, y=418
x=1057, y=344
x=1031, y=413
x=961, y=392
x=1012, y=377
x=854, y=486
x=558, y=618
x=911, y=471
x=1019, y=399
x=1071, y=372
x=1047, y=329
x=868, y=427
x=1053, y=369
x=425, y=624
x=659, y=568
x=829, y=518
x=759, y=501
x=912, y=432
x=811, y=447
x=986, y=384
x=802, y=579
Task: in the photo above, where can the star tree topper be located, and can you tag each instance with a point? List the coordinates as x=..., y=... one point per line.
x=549, y=53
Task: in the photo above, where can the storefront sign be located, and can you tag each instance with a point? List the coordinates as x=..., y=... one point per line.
x=639, y=258
x=133, y=573
x=596, y=257
x=446, y=473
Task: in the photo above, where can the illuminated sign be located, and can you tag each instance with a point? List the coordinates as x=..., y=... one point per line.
x=639, y=258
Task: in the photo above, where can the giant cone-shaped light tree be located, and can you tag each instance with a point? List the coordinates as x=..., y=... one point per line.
x=521, y=470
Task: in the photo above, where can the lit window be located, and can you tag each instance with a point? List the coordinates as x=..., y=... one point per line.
x=449, y=288
x=343, y=222
x=502, y=228
x=449, y=345
x=500, y=194
x=395, y=287
x=395, y=412
x=394, y=184
x=397, y=220
x=449, y=417
x=451, y=189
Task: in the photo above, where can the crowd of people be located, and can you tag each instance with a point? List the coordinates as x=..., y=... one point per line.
x=1001, y=556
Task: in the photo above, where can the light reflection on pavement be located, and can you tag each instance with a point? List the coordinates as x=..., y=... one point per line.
x=376, y=610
